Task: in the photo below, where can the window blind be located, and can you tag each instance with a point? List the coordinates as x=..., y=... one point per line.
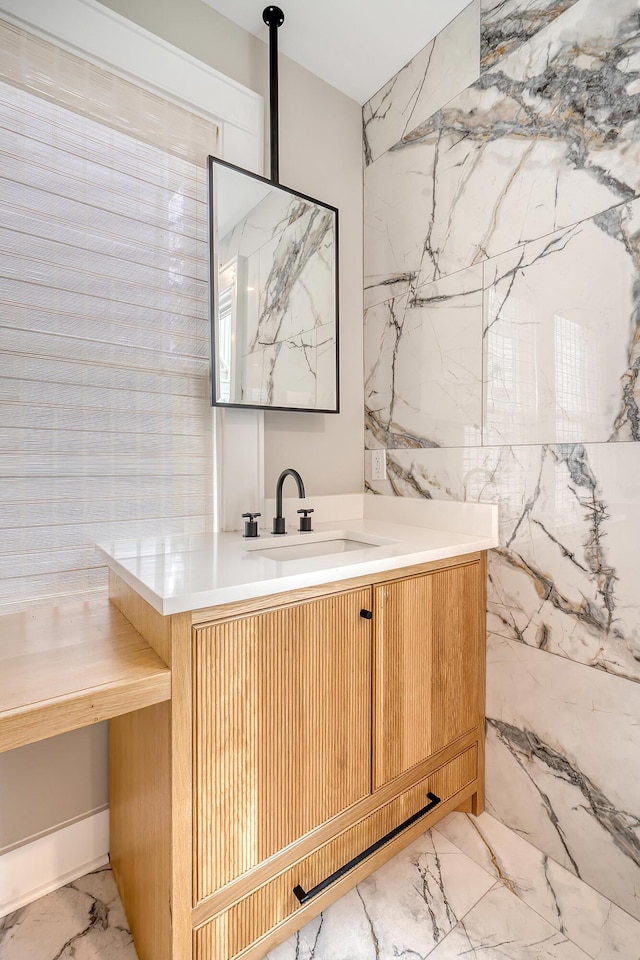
x=105, y=424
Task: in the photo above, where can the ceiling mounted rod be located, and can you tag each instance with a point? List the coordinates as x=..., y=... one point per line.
x=274, y=18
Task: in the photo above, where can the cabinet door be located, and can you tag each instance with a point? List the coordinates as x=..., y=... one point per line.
x=428, y=645
x=282, y=730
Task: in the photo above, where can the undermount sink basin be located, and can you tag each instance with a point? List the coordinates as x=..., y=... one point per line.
x=302, y=549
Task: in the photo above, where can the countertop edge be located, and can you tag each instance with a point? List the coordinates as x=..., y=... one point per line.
x=218, y=596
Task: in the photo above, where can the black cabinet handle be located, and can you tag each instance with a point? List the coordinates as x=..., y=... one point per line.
x=304, y=896
x=366, y=614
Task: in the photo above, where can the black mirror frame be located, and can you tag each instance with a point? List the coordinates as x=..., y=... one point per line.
x=213, y=289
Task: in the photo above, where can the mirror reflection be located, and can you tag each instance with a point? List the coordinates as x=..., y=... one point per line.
x=274, y=294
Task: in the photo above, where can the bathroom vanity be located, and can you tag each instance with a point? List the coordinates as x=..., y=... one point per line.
x=326, y=709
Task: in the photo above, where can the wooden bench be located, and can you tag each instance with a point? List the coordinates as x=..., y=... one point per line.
x=69, y=666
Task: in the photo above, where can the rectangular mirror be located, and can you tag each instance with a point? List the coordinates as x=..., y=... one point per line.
x=274, y=294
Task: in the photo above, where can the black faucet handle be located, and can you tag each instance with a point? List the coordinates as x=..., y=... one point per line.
x=305, y=520
x=251, y=524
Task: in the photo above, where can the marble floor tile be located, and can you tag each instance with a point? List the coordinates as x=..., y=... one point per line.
x=403, y=910
x=82, y=921
x=438, y=898
x=601, y=929
x=501, y=927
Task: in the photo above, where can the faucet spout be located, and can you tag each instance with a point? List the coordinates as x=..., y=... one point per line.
x=279, y=526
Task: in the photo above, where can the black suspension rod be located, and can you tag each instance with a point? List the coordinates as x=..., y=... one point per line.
x=274, y=18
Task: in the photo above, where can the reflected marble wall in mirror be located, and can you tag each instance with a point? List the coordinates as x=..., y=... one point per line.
x=274, y=294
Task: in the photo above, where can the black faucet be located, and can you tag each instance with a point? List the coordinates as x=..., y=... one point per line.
x=278, y=520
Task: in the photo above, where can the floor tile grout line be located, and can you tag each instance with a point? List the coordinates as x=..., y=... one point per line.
x=458, y=847
x=465, y=914
x=502, y=883
x=522, y=899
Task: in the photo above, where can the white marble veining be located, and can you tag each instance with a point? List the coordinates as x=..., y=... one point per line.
x=423, y=366
x=175, y=574
x=565, y=579
x=565, y=576
x=433, y=77
x=561, y=335
x=82, y=921
x=532, y=174
x=398, y=210
x=547, y=138
x=602, y=930
x=503, y=928
x=549, y=333
x=505, y=24
x=562, y=768
x=562, y=739
x=279, y=260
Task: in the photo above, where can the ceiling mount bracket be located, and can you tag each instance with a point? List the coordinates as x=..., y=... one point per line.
x=274, y=18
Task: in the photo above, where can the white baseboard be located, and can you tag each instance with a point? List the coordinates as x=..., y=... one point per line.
x=34, y=869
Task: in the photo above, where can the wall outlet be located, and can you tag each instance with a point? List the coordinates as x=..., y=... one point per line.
x=378, y=464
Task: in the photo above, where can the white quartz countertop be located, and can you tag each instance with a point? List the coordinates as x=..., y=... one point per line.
x=176, y=574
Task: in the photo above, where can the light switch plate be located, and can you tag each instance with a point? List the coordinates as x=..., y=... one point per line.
x=378, y=464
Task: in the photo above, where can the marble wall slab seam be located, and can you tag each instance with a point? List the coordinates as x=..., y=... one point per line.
x=546, y=140
x=559, y=356
x=564, y=579
x=442, y=69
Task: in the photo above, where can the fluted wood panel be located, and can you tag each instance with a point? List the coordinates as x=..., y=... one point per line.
x=281, y=730
x=232, y=931
x=428, y=639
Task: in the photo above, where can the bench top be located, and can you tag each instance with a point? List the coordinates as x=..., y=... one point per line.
x=69, y=666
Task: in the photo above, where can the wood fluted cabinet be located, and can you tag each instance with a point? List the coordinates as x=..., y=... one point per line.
x=428, y=639
x=282, y=716
x=309, y=737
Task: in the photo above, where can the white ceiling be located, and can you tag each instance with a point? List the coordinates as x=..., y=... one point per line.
x=355, y=45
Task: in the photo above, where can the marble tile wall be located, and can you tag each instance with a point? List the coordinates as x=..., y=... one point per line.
x=444, y=68
x=506, y=24
x=502, y=357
